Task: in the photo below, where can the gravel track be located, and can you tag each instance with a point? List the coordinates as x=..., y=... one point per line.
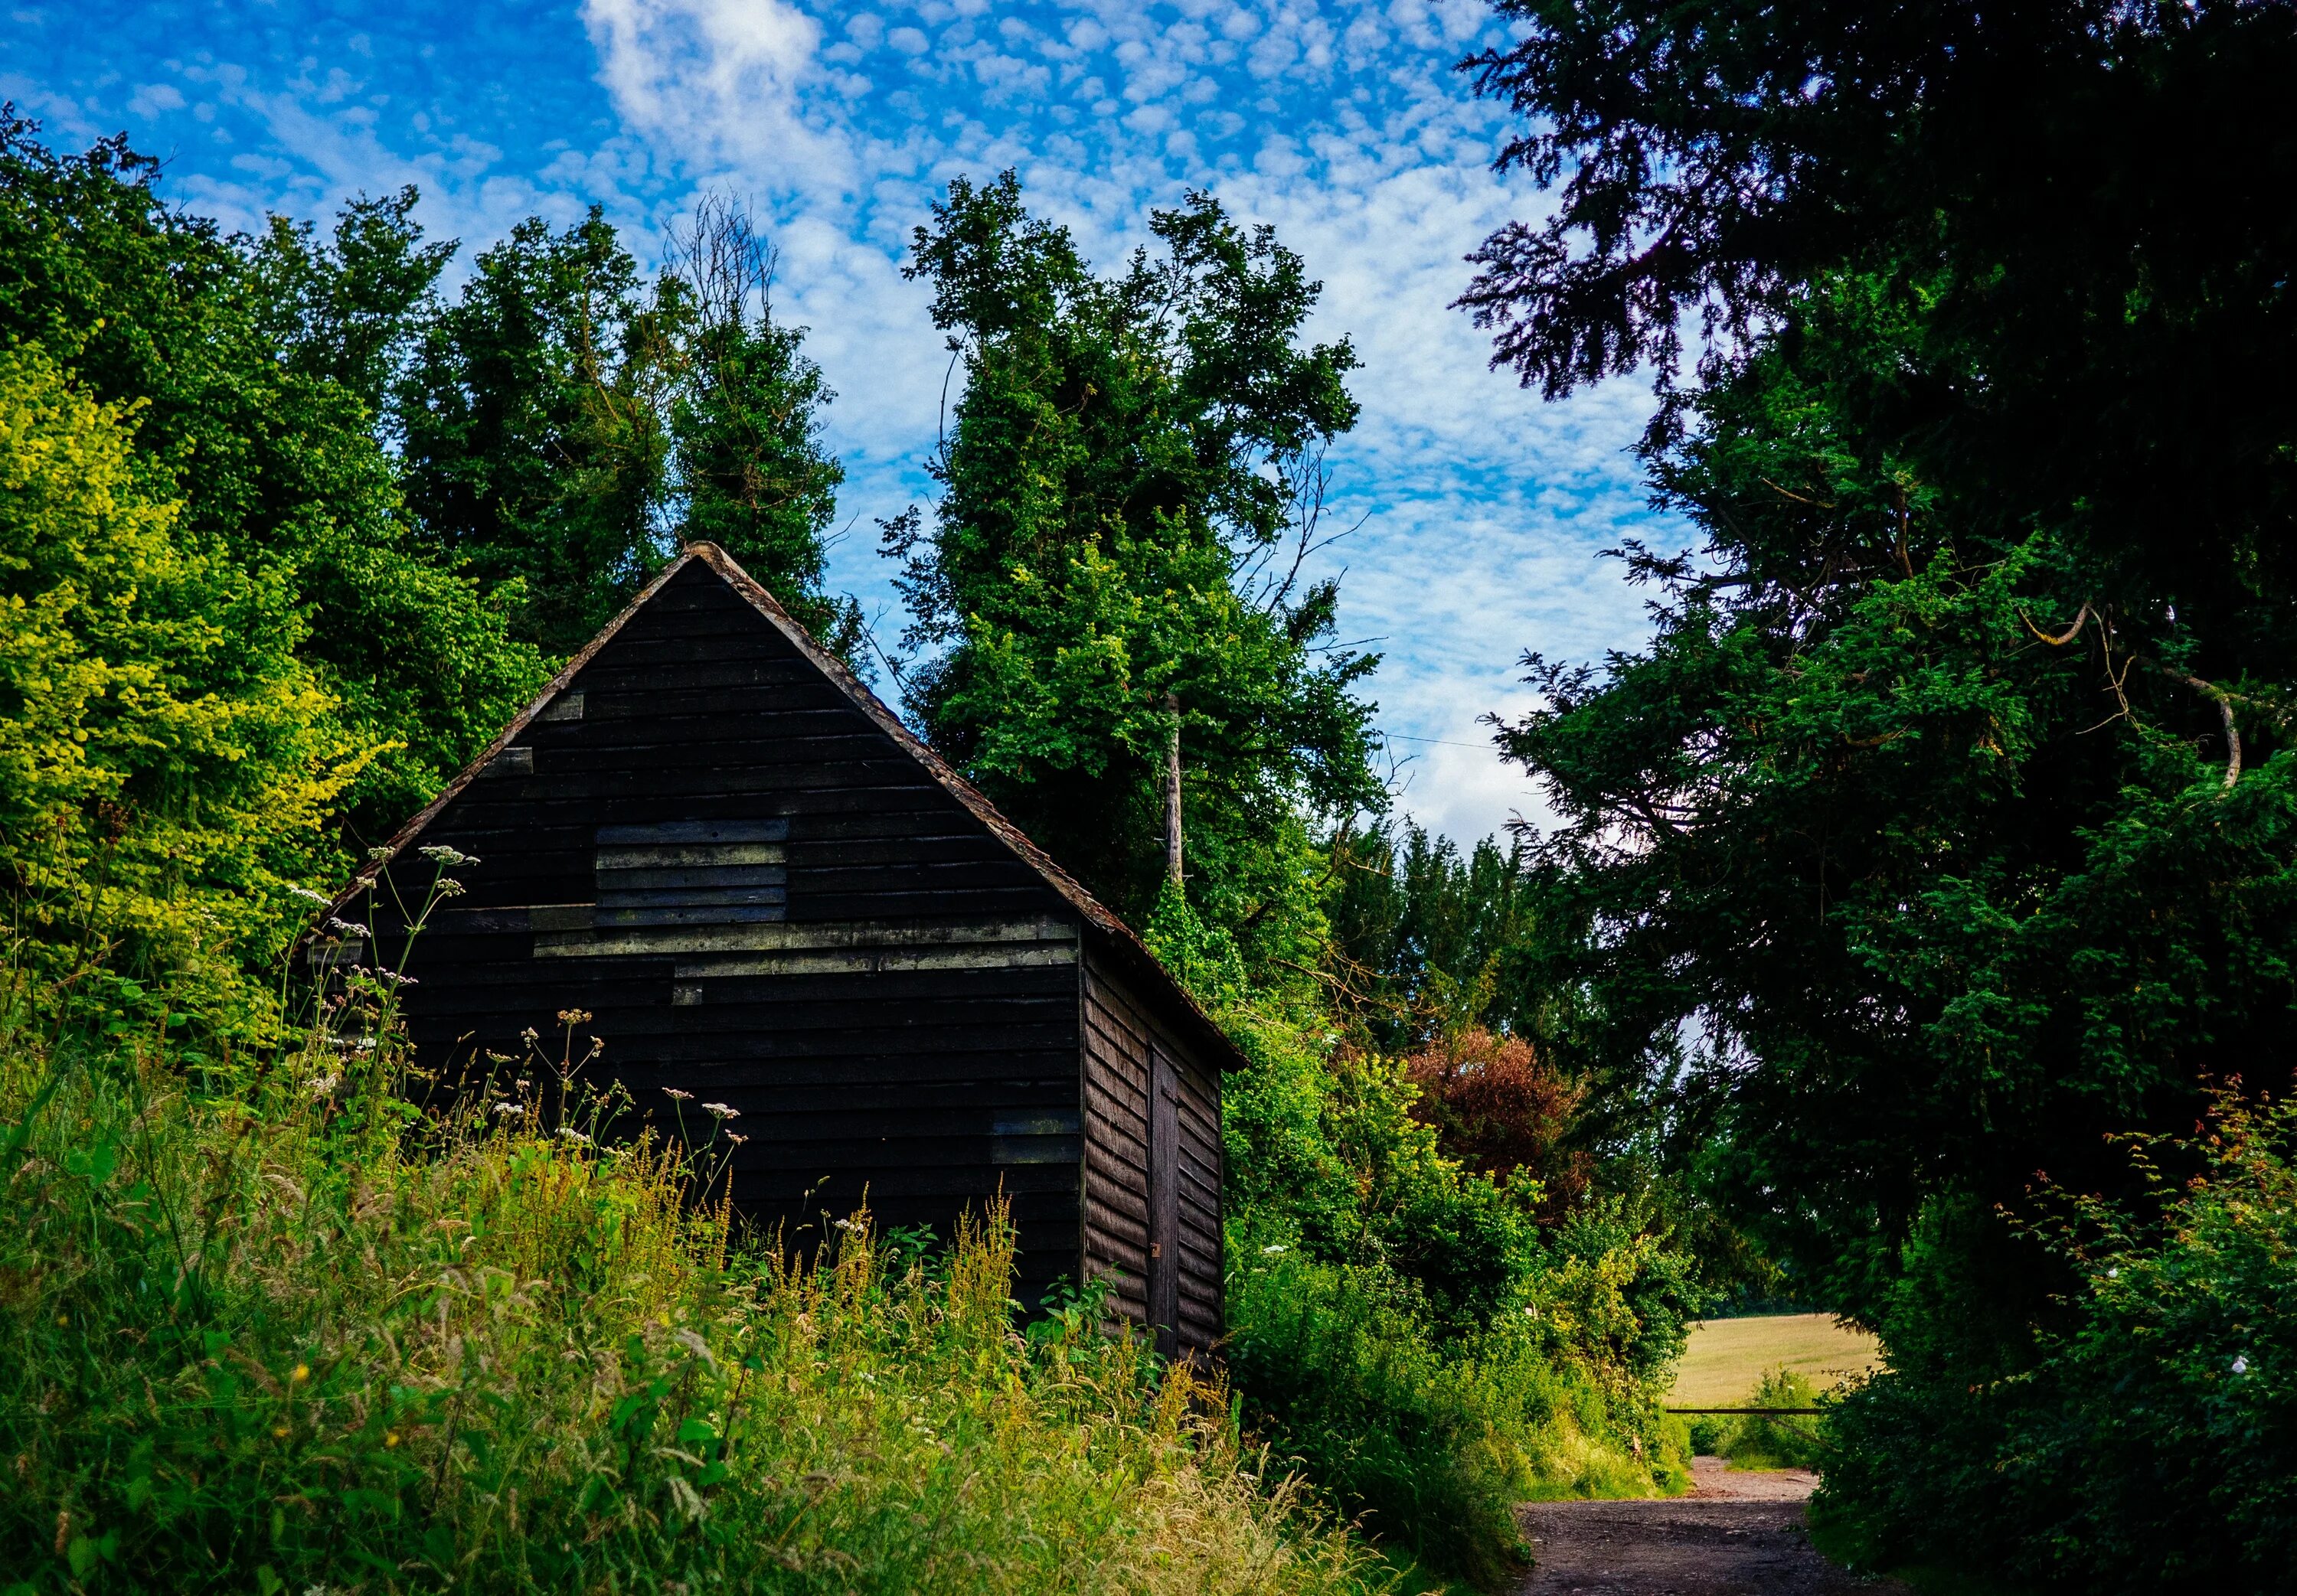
x=1735, y=1534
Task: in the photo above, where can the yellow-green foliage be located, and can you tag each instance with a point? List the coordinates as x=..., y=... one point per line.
x=165, y=759
x=294, y=1335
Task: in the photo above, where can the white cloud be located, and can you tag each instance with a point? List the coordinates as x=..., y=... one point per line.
x=720, y=81
x=1340, y=121
x=1482, y=509
x=152, y=98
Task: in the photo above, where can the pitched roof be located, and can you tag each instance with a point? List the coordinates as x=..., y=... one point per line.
x=1110, y=932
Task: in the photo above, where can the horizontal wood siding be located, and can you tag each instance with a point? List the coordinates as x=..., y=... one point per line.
x=760, y=898
x=1118, y=1028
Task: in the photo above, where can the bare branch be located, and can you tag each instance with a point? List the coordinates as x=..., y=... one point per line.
x=2224, y=701
x=2063, y=638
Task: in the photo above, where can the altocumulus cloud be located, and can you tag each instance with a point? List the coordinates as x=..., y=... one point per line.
x=1479, y=512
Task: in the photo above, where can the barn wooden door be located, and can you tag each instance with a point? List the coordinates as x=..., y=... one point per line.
x=1163, y=1199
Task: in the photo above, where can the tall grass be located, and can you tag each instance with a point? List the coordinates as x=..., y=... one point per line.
x=1431, y=1444
x=265, y=1328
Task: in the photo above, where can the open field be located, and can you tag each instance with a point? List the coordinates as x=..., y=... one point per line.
x=1726, y=1356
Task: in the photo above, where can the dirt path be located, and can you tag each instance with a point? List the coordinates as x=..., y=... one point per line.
x=1735, y=1534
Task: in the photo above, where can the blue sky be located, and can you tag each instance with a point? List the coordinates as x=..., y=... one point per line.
x=1482, y=510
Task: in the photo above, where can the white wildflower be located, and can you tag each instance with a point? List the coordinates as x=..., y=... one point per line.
x=677, y=1096
x=348, y=928
x=509, y=1111
x=574, y=1136
x=441, y=854
x=737, y=1140
x=309, y=896
x=2240, y=1364
x=1270, y=1251
x=697, y=1345
x=448, y=887
x=722, y=1111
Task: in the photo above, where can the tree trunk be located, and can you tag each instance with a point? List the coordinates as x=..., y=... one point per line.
x=1172, y=791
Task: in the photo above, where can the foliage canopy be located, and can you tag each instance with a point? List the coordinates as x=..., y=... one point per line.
x=1124, y=465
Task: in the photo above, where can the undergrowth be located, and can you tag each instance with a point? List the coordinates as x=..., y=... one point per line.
x=1763, y=1440
x=1433, y=1444
x=264, y=1327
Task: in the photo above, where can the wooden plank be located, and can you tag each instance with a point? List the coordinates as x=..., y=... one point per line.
x=697, y=878
x=956, y=932
x=921, y=1069
x=677, y=833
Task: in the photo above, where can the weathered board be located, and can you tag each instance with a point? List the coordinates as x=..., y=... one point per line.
x=765, y=894
x=1152, y=1177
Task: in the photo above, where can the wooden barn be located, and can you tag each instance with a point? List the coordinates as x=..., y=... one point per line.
x=767, y=892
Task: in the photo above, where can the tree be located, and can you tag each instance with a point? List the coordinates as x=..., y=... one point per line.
x=745, y=425
x=348, y=310
x=1126, y=465
x=1950, y=816
x=535, y=450
x=168, y=763
x=1424, y=941
x=567, y=425
x=273, y=461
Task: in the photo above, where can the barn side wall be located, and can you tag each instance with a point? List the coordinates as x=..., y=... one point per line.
x=1119, y=1030
x=763, y=901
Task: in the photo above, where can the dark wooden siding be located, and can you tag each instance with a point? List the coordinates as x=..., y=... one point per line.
x=764, y=900
x=1119, y=1032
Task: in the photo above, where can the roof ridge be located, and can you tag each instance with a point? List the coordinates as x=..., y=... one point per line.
x=1095, y=914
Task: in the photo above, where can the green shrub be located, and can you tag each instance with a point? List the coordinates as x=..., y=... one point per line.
x=2147, y=1440
x=168, y=763
x=1762, y=1441
x=275, y=1331
x=1432, y=1443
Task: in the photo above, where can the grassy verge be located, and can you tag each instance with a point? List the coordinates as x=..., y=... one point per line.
x=263, y=1328
x=1432, y=1445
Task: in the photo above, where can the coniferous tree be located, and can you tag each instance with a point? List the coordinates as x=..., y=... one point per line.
x=1124, y=465
x=1951, y=812
x=750, y=467
x=534, y=452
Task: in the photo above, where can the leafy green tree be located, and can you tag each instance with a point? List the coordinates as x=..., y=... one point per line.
x=567, y=425
x=1424, y=939
x=348, y=309
x=1125, y=464
x=1949, y=818
x=746, y=429
x=272, y=461
x=169, y=764
x=535, y=449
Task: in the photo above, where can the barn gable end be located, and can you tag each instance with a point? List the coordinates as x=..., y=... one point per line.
x=769, y=894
